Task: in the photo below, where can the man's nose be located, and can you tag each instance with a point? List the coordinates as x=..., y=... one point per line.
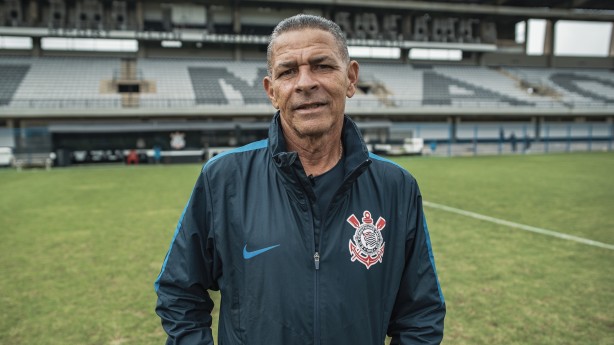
x=306, y=80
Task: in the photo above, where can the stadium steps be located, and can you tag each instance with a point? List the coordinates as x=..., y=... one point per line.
x=172, y=80
x=11, y=77
x=207, y=88
x=205, y=82
x=403, y=83
x=66, y=82
x=445, y=90
x=487, y=79
x=568, y=97
x=538, y=88
x=569, y=82
x=251, y=94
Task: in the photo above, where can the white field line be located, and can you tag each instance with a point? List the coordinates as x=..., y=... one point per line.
x=519, y=226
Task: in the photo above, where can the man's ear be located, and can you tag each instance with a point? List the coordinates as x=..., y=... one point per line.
x=353, y=78
x=270, y=92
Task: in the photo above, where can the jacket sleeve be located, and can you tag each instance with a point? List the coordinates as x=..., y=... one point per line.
x=190, y=268
x=419, y=310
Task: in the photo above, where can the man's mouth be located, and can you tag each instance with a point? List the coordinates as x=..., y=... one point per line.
x=306, y=106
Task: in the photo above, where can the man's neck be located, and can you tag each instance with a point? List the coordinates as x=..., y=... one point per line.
x=317, y=155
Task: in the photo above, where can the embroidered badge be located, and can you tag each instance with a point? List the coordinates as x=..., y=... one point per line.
x=367, y=244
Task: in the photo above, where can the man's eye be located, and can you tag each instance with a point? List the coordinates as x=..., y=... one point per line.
x=284, y=73
x=323, y=67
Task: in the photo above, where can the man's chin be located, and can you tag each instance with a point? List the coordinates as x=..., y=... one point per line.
x=313, y=128
x=312, y=132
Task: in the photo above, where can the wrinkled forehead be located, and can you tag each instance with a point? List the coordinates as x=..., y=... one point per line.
x=299, y=40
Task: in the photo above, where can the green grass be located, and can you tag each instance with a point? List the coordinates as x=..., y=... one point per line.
x=81, y=247
x=507, y=286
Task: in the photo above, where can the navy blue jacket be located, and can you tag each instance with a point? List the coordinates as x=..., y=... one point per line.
x=249, y=230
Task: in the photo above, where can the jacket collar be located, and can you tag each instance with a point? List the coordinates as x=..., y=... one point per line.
x=355, y=150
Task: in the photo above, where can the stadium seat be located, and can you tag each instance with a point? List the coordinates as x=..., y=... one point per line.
x=77, y=82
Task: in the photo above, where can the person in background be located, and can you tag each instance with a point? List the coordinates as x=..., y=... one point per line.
x=132, y=157
x=157, y=154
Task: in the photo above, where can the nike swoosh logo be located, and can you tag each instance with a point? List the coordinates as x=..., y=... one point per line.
x=248, y=255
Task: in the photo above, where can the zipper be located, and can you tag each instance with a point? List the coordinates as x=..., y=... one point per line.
x=316, y=256
x=316, y=334
x=316, y=263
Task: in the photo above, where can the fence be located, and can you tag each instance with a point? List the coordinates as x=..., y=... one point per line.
x=440, y=139
x=146, y=101
x=519, y=139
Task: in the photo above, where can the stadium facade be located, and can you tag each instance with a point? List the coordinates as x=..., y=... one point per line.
x=187, y=76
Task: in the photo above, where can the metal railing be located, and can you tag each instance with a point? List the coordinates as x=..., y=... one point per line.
x=390, y=103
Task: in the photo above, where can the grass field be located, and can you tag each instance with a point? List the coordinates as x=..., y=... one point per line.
x=80, y=249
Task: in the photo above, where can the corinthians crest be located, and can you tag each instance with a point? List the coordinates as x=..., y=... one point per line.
x=367, y=244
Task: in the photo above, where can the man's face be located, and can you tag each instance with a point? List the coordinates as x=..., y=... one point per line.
x=309, y=82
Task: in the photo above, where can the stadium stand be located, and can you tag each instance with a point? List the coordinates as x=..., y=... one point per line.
x=11, y=76
x=208, y=88
x=71, y=82
x=573, y=87
x=172, y=84
x=217, y=85
x=206, y=84
x=402, y=83
x=63, y=82
x=570, y=83
x=453, y=85
x=442, y=90
x=479, y=82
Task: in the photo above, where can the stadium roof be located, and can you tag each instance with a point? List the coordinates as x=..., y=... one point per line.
x=556, y=9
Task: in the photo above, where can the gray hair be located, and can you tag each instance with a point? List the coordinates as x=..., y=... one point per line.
x=307, y=21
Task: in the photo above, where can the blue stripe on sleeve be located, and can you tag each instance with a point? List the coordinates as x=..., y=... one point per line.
x=379, y=158
x=426, y=231
x=168, y=253
x=431, y=257
x=249, y=147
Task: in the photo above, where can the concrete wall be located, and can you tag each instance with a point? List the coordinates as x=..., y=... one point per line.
x=584, y=62
x=520, y=60
x=516, y=60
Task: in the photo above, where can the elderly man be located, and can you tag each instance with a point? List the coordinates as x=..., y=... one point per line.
x=311, y=239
